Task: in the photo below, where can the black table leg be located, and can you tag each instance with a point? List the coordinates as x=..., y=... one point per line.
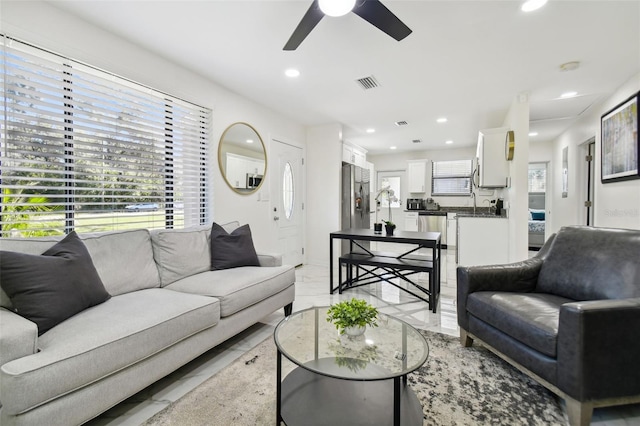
x=278, y=388
x=331, y=265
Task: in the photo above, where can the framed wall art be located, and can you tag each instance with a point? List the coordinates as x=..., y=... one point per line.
x=619, y=141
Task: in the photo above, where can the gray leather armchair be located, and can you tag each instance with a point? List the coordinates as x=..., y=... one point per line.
x=568, y=317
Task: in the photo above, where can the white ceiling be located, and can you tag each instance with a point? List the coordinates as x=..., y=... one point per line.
x=465, y=60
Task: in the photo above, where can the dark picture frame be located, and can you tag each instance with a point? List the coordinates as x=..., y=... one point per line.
x=620, y=153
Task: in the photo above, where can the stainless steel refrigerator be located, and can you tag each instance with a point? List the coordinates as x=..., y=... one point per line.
x=356, y=183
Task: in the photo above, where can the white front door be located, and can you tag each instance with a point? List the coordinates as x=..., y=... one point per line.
x=287, y=200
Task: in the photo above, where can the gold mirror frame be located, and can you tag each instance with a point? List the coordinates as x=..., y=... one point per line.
x=234, y=141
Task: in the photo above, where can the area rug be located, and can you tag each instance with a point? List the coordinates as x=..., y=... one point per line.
x=457, y=386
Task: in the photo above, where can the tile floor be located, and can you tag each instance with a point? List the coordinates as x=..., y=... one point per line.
x=312, y=290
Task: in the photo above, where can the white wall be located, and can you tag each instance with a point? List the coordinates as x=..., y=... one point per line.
x=46, y=26
x=615, y=204
x=517, y=194
x=324, y=161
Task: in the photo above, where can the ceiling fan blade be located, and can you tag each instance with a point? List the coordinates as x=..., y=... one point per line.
x=382, y=18
x=308, y=23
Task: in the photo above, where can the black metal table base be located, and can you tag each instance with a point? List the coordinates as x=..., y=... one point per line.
x=377, y=267
x=311, y=399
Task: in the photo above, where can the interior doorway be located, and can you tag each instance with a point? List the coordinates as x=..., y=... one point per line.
x=287, y=200
x=590, y=148
x=538, y=205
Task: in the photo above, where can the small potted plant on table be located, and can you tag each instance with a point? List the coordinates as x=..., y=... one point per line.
x=352, y=316
x=389, y=227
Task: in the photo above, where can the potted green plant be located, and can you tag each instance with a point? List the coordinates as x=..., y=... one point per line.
x=389, y=227
x=352, y=316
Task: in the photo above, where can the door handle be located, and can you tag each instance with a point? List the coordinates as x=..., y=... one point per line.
x=276, y=218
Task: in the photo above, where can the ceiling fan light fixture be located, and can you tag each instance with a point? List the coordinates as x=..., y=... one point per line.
x=531, y=5
x=336, y=7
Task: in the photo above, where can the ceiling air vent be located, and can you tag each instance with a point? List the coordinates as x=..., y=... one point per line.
x=401, y=123
x=367, y=83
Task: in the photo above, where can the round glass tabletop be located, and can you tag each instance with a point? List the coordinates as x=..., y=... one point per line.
x=392, y=349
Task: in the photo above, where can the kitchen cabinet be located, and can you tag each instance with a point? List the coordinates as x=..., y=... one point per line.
x=482, y=241
x=417, y=176
x=238, y=167
x=451, y=229
x=411, y=221
x=354, y=155
x=493, y=168
x=372, y=181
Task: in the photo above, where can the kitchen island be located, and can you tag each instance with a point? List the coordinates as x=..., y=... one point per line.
x=482, y=239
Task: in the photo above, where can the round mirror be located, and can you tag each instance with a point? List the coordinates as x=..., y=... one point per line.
x=242, y=158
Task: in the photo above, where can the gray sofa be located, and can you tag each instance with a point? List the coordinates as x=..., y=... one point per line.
x=568, y=317
x=166, y=308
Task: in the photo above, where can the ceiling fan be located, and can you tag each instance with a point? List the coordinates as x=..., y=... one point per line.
x=371, y=11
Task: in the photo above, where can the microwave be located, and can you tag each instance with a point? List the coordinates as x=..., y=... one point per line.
x=253, y=180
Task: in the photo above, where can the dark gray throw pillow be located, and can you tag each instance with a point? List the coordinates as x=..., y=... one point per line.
x=49, y=288
x=232, y=250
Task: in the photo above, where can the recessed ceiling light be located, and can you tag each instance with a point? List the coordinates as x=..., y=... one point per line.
x=249, y=140
x=449, y=142
x=393, y=147
x=371, y=130
x=533, y=134
x=531, y=5
x=442, y=120
x=566, y=95
x=292, y=72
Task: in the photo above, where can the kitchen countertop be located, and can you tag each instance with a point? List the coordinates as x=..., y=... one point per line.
x=483, y=212
x=481, y=215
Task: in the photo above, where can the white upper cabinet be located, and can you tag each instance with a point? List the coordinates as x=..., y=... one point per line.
x=417, y=175
x=354, y=155
x=493, y=168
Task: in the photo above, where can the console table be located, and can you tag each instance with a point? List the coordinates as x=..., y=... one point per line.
x=372, y=266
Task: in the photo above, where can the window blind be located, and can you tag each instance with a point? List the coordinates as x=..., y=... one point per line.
x=451, y=177
x=84, y=150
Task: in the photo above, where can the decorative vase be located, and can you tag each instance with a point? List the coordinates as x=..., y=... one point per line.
x=354, y=331
x=377, y=228
x=389, y=229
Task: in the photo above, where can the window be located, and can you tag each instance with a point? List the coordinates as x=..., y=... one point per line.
x=84, y=150
x=287, y=190
x=389, y=192
x=451, y=177
x=537, y=177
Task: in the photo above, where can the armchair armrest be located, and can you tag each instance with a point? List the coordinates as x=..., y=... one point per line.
x=270, y=259
x=599, y=349
x=18, y=336
x=515, y=277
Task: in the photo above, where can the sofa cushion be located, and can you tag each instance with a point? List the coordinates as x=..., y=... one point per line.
x=588, y=263
x=238, y=288
x=232, y=250
x=124, y=260
x=530, y=318
x=103, y=340
x=180, y=253
x=49, y=288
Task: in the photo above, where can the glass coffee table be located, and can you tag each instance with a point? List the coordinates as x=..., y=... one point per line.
x=340, y=380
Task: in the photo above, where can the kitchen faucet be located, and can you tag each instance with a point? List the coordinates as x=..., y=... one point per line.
x=473, y=195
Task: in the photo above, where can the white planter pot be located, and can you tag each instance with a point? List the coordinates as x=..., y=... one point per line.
x=354, y=331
